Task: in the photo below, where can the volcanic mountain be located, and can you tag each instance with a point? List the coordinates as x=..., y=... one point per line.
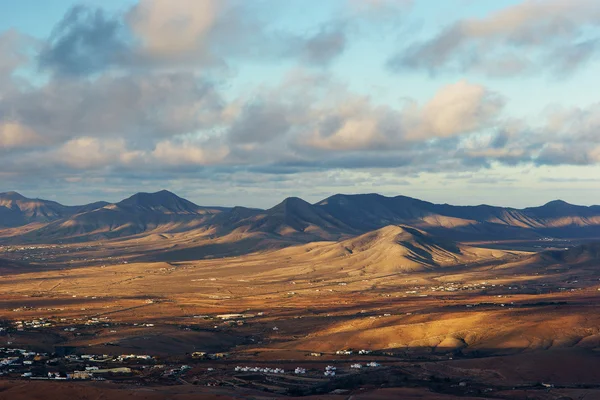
x=293, y=218
x=483, y=222
x=18, y=210
x=143, y=212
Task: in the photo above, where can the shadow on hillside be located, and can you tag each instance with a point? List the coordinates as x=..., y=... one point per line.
x=213, y=250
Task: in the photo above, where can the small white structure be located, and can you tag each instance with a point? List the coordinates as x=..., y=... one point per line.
x=548, y=385
x=356, y=366
x=363, y=352
x=373, y=364
x=299, y=370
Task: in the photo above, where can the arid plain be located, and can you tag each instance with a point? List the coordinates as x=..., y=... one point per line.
x=217, y=309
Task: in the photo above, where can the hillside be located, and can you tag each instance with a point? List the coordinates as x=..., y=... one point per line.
x=143, y=212
x=390, y=249
x=293, y=218
x=483, y=222
x=17, y=210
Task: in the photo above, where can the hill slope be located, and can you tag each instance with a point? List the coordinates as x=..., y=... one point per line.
x=17, y=210
x=390, y=249
x=143, y=212
x=293, y=218
x=372, y=211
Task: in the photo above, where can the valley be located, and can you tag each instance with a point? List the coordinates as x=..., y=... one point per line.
x=259, y=304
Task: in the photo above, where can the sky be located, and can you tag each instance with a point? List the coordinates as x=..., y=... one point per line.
x=246, y=102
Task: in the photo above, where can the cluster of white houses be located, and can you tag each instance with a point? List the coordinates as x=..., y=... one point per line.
x=350, y=352
x=260, y=369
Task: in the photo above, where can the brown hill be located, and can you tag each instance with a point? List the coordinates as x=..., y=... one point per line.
x=390, y=249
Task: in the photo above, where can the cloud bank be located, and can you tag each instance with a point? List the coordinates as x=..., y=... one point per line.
x=146, y=94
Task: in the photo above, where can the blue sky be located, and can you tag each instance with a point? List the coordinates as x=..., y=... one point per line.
x=247, y=102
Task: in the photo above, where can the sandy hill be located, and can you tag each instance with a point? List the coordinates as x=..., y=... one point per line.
x=390, y=249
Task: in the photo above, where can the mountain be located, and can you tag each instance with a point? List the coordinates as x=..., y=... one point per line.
x=17, y=210
x=143, y=212
x=483, y=222
x=293, y=218
x=163, y=202
x=390, y=249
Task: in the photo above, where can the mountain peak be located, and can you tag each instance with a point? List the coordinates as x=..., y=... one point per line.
x=162, y=201
x=12, y=196
x=291, y=203
x=557, y=203
x=142, y=198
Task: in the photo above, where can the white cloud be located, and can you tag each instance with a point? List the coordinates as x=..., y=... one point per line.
x=456, y=109
x=15, y=135
x=172, y=28
x=527, y=37
x=188, y=153
x=91, y=153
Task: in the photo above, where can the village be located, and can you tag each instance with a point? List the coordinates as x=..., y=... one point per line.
x=209, y=369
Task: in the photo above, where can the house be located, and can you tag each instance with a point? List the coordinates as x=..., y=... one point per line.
x=344, y=352
x=80, y=375
x=548, y=385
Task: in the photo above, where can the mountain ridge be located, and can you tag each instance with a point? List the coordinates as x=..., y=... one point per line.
x=337, y=217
